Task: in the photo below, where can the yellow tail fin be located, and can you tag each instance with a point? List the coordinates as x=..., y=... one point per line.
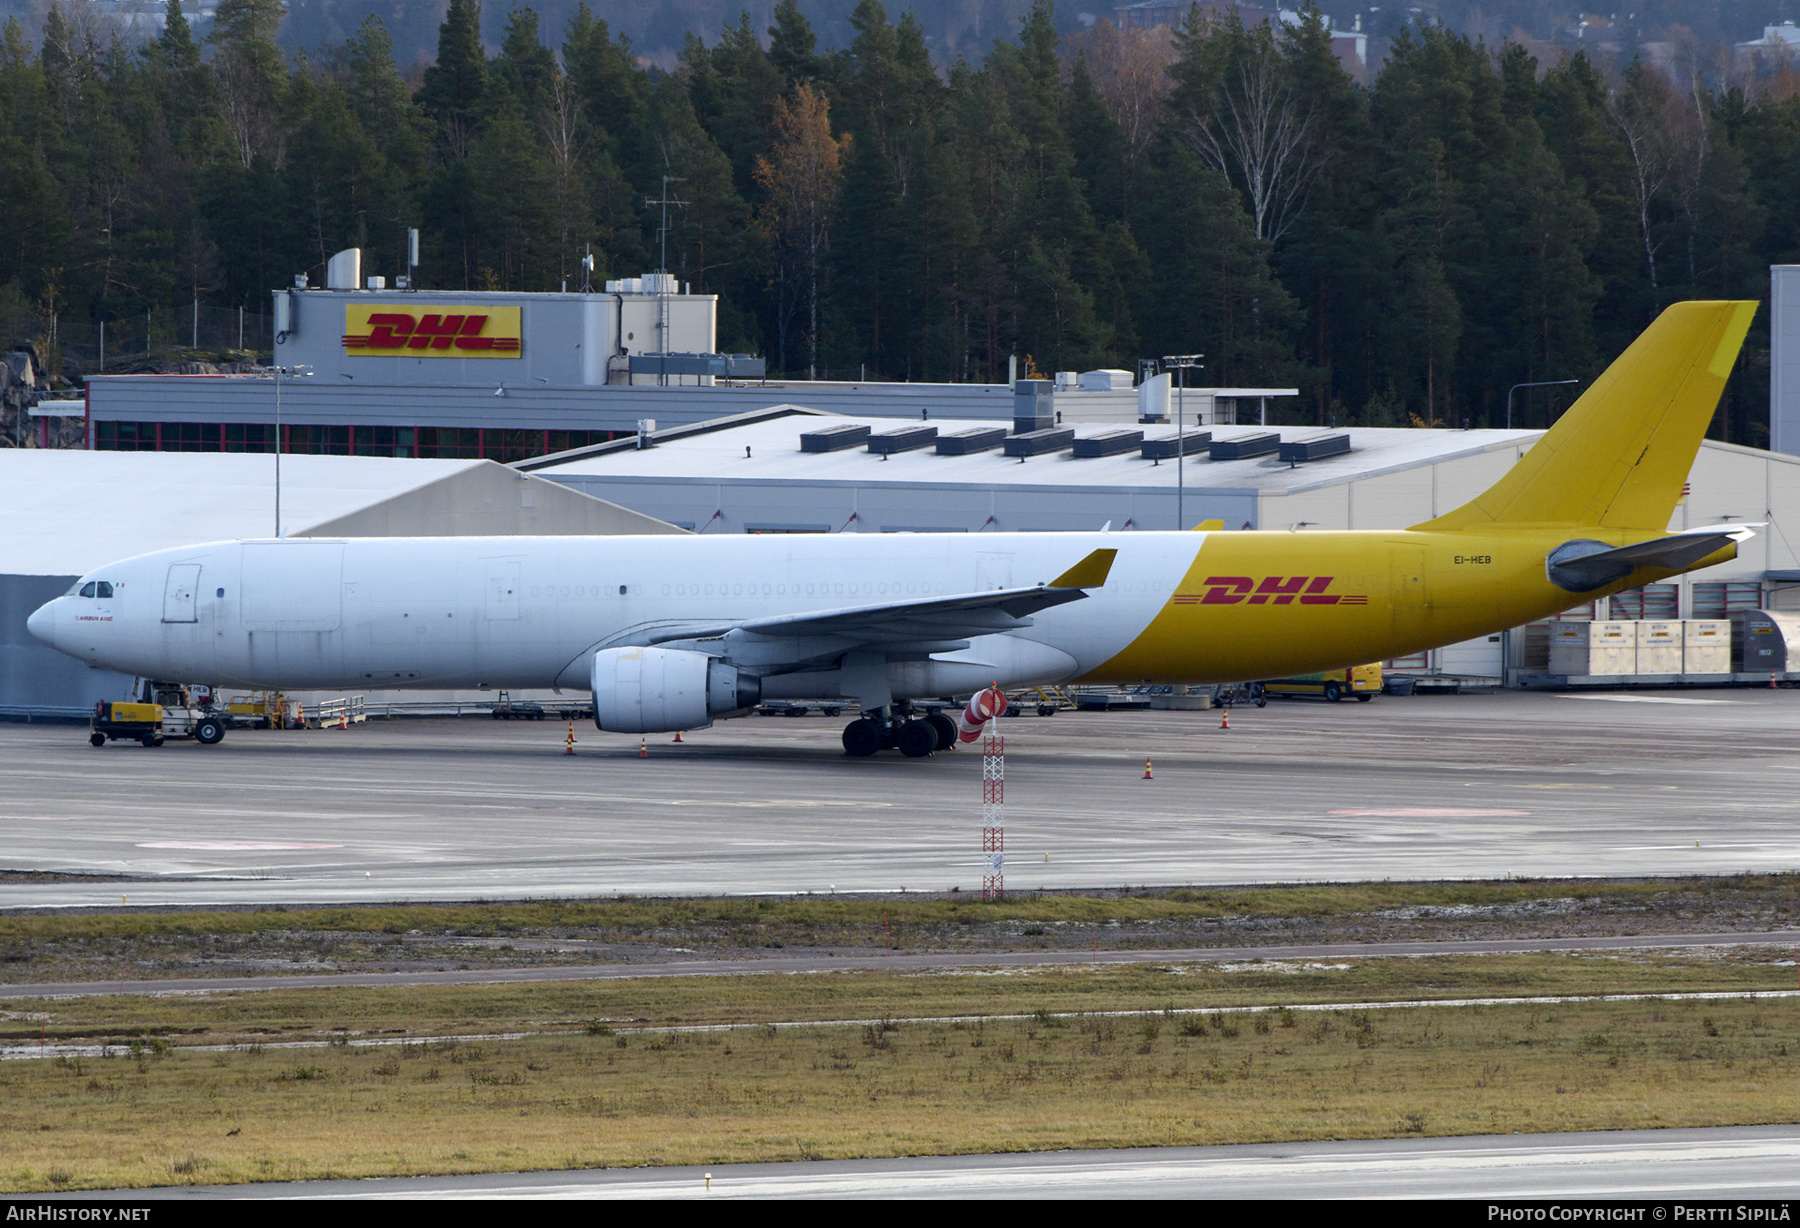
x=1619, y=457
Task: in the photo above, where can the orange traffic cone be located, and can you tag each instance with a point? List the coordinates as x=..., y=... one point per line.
x=569, y=747
x=1147, y=775
x=1226, y=722
x=644, y=748
x=678, y=735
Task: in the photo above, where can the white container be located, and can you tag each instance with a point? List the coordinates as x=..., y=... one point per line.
x=1706, y=646
x=1659, y=645
x=1586, y=649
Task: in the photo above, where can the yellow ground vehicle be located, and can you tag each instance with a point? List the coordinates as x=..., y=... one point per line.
x=1362, y=681
x=165, y=710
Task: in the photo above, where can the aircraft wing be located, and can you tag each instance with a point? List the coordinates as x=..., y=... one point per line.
x=1582, y=566
x=926, y=619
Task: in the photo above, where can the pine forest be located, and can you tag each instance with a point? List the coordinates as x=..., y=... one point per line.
x=1403, y=251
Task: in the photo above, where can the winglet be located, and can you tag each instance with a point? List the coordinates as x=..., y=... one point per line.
x=1209, y=526
x=1091, y=572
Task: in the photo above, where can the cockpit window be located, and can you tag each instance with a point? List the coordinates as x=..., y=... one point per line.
x=102, y=589
x=87, y=590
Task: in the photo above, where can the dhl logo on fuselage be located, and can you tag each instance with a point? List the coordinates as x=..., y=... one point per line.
x=1271, y=590
x=444, y=331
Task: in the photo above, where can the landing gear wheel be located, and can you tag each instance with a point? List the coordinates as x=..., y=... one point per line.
x=917, y=739
x=1333, y=692
x=946, y=730
x=862, y=738
x=96, y=739
x=210, y=731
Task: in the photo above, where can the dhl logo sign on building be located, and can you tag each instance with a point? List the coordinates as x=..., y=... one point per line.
x=440, y=331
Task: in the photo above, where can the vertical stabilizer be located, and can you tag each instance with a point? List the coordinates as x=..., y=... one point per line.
x=1619, y=457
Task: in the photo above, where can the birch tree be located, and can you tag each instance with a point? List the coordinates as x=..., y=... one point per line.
x=801, y=175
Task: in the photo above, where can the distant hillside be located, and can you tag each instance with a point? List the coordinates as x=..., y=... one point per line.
x=657, y=28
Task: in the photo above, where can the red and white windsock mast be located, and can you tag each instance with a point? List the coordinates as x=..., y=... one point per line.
x=984, y=707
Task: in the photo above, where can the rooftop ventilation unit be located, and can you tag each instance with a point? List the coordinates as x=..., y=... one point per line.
x=1037, y=443
x=1034, y=405
x=1318, y=447
x=1109, y=443
x=344, y=270
x=906, y=439
x=1244, y=447
x=834, y=438
x=719, y=366
x=1171, y=446
x=967, y=443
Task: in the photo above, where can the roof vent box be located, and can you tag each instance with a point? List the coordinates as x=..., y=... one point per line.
x=906, y=439
x=1037, y=443
x=1107, y=379
x=1244, y=447
x=834, y=438
x=1171, y=446
x=1109, y=443
x=1317, y=448
x=967, y=443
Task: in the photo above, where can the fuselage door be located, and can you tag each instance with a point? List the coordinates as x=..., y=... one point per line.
x=502, y=588
x=178, y=593
x=1407, y=589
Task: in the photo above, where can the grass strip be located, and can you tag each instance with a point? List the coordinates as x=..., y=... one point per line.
x=170, y=1116
x=820, y=917
x=425, y=1010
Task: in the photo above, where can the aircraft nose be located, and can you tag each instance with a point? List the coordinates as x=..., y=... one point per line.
x=42, y=623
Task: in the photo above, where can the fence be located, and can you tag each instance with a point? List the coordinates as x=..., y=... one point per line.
x=126, y=342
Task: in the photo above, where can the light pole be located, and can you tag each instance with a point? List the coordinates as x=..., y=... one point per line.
x=279, y=371
x=1543, y=383
x=1182, y=363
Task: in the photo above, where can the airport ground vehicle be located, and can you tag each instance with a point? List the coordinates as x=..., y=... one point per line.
x=510, y=709
x=164, y=710
x=1233, y=693
x=1361, y=681
x=800, y=707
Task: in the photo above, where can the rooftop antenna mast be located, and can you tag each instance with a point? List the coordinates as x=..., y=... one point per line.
x=1181, y=364
x=663, y=277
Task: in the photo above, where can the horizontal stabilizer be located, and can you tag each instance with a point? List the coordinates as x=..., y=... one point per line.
x=1584, y=565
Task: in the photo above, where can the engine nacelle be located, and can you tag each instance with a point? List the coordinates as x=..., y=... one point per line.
x=655, y=690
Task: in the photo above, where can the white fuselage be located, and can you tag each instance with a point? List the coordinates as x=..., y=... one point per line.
x=521, y=612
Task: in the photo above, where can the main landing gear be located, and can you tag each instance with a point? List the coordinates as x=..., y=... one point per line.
x=913, y=736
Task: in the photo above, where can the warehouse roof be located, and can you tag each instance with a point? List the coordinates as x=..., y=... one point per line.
x=768, y=451
x=68, y=511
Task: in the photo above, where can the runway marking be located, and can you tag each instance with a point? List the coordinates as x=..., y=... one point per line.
x=1649, y=699
x=234, y=846
x=1446, y=812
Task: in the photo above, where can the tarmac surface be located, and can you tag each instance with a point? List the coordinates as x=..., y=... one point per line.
x=1534, y=784
x=1741, y=1164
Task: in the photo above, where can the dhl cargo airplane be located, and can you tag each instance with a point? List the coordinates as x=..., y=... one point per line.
x=670, y=632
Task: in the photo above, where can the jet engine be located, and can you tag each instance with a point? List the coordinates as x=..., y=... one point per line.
x=654, y=690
